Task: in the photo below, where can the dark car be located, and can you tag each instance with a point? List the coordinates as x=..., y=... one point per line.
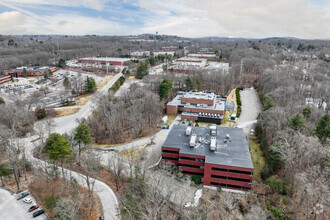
x=39, y=212
x=33, y=208
x=22, y=195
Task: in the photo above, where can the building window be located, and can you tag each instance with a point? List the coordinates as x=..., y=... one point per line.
x=193, y=159
x=188, y=165
x=170, y=158
x=171, y=152
x=231, y=171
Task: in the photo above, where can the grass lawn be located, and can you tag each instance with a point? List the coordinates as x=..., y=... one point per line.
x=103, y=82
x=257, y=157
x=132, y=77
x=66, y=111
x=133, y=153
x=226, y=120
x=105, y=145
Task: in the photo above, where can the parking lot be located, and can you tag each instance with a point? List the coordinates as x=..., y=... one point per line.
x=52, y=87
x=11, y=208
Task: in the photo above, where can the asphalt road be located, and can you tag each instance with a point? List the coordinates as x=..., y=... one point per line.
x=67, y=124
x=11, y=209
x=250, y=109
x=107, y=196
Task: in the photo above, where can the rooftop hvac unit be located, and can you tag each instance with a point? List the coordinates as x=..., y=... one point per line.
x=213, y=144
x=213, y=130
x=188, y=131
x=192, y=142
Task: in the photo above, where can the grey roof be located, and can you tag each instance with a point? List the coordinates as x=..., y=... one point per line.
x=235, y=153
x=219, y=103
x=198, y=115
x=3, y=76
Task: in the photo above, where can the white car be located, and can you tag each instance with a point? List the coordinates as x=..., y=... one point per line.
x=27, y=200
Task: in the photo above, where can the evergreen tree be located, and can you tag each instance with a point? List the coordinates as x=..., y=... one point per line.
x=25, y=73
x=142, y=70
x=82, y=135
x=322, y=130
x=189, y=83
x=297, y=122
x=267, y=103
x=90, y=85
x=61, y=63
x=57, y=147
x=165, y=89
x=307, y=111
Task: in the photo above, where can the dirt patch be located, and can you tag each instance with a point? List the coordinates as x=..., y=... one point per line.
x=133, y=153
x=66, y=111
x=257, y=157
x=42, y=188
x=83, y=99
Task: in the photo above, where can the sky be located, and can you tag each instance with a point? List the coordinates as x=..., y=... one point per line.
x=309, y=19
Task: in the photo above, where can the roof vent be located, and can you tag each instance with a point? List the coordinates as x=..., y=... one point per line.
x=213, y=130
x=188, y=131
x=213, y=144
x=227, y=138
x=192, y=142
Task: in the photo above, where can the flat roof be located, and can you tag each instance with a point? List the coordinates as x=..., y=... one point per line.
x=203, y=116
x=235, y=153
x=4, y=76
x=219, y=103
x=30, y=68
x=199, y=95
x=202, y=55
x=117, y=59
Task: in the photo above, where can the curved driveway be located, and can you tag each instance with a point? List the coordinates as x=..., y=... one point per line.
x=67, y=124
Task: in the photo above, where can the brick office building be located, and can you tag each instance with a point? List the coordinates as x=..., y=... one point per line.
x=202, y=106
x=5, y=78
x=218, y=154
x=30, y=70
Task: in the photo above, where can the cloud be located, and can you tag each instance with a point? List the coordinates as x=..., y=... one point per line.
x=12, y=22
x=260, y=18
x=239, y=18
x=92, y=4
x=190, y=18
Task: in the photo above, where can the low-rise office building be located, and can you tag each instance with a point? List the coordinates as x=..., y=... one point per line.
x=105, y=60
x=218, y=154
x=5, y=78
x=30, y=71
x=201, y=106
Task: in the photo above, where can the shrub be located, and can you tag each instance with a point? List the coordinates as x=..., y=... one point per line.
x=238, y=101
x=40, y=113
x=196, y=179
x=278, y=213
x=2, y=101
x=118, y=84
x=50, y=201
x=278, y=185
x=285, y=200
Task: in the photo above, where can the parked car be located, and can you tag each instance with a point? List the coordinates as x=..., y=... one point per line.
x=22, y=195
x=32, y=208
x=37, y=213
x=27, y=200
